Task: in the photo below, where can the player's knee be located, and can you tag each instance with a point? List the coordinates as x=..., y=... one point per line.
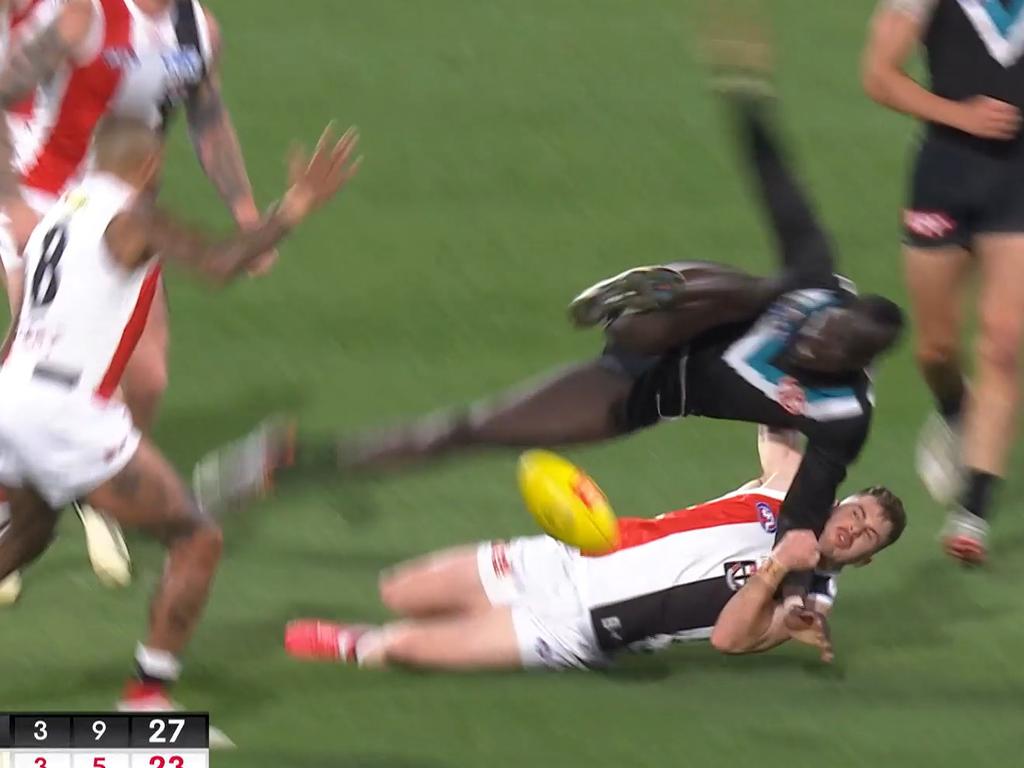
x=937, y=352
x=394, y=587
x=208, y=541
x=999, y=343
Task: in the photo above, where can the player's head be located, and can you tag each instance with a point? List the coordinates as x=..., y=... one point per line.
x=846, y=337
x=129, y=148
x=861, y=526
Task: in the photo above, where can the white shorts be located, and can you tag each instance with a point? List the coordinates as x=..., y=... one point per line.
x=536, y=578
x=61, y=442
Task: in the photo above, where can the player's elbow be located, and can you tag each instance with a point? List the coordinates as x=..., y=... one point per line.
x=725, y=639
x=875, y=78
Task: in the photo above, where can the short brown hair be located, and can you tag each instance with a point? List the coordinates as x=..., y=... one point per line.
x=892, y=509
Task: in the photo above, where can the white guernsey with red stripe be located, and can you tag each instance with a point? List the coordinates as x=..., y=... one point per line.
x=83, y=313
x=671, y=576
x=132, y=64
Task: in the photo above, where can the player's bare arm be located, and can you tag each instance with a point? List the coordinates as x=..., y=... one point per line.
x=217, y=146
x=895, y=32
x=32, y=63
x=781, y=452
x=146, y=230
x=752, y=621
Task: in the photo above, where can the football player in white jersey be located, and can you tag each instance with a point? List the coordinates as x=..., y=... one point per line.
x=83, y=59
x=709, y=571
x=92, y=269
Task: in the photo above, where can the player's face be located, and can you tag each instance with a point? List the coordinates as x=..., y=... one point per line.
x=856, y=530
x=821, y=345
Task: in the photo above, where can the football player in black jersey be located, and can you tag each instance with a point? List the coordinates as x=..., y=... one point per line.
x=703, y=340
x=790, y=352
x=965, y=214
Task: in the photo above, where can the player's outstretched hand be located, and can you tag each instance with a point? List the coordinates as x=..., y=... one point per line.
x=811, y=628
x=798, y=551
x=315, y=180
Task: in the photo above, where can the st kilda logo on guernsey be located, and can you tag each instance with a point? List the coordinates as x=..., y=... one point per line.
x=737, y=572
x=766, y=517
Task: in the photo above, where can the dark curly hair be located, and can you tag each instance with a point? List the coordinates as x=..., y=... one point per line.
x=892, y=509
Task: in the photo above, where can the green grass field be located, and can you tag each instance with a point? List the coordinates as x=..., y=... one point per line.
x=517, y=150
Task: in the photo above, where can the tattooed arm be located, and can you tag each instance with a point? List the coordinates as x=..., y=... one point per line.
x=144, y=231
x=33, y=62
x=217, y=147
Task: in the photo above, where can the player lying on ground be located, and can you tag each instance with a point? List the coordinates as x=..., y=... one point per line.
x=687, y=575
x=93, y=266
x=81, y=60
x=683, y=340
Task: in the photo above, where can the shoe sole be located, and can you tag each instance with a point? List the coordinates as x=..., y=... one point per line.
x=967, y=551
x=107, y=550
x=10, y=590
x=643, y=289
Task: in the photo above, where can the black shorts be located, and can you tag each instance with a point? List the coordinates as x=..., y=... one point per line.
x=658, y=391
x=959, y=190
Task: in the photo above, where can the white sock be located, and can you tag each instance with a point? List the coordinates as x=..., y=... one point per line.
x=369, y=647
x=157, y=665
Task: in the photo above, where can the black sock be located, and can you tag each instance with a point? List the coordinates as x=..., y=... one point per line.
x=950, y=404
x=978, y=491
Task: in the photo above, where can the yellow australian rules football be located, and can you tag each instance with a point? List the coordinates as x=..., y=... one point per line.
x=566, y=503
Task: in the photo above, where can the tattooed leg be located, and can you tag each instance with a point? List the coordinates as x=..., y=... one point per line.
x=148, y=494
x=29, y=532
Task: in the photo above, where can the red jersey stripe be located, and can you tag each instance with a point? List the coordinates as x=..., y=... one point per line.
x=734, y=509
x=130, y=336
x=89, y=92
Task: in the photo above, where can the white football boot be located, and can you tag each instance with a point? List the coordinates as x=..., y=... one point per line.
x=938, y=459
x=10, y=589
x=965, y=537
x=108, y=552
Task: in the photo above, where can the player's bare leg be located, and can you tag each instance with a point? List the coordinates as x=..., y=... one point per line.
x=144, y=385
x=476, y=641
x=936, y=279
x=148, y=494
x=584, y=403
x=10, y=585
x=991, y=413
x=580, y=404
x=442, y=583
x=28, y=532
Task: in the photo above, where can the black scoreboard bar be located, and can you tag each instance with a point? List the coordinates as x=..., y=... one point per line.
x=78, y=730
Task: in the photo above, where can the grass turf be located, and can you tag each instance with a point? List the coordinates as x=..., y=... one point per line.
x=515, y=152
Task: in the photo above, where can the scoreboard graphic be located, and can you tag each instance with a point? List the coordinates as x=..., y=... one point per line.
x=111, y=740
